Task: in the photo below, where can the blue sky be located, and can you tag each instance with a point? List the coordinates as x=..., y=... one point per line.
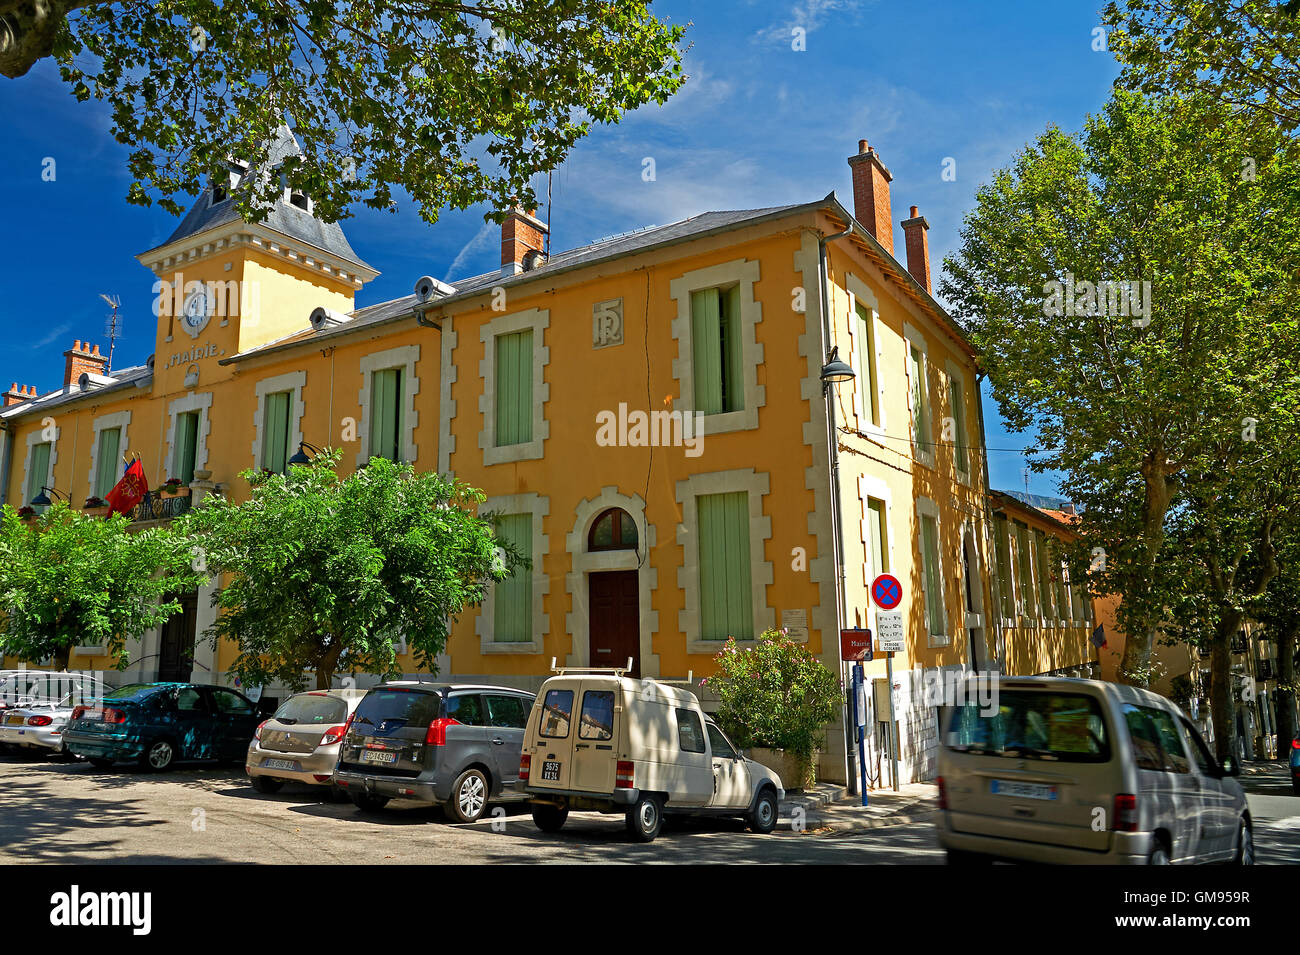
x=758, y=124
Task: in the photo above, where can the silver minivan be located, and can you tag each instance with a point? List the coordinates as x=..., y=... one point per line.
x=1046, y=769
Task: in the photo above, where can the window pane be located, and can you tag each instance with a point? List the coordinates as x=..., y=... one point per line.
x=466, y=708
x=514, y=388
x=933, y=582
x=187, y=443
x=731, y=350
x=867, y=366
x=726, y=588
x=107, y=468
x=512, y=608
x=40, y=471
x=557, y=709
x=718, y=743
x=879, y=537
x=386, y=389
x=690, y=735
x=1029, y=725
x=958, y=402
x=507, y=711
x=597, y=720
x=920, y=401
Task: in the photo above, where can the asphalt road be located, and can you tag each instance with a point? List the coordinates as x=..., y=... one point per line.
x=69, y=812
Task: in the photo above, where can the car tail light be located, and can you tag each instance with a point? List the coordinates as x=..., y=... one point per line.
x=943, y=792
x=437, y=735
x=79, y=711
x=39, y=721
x=623, y=775
x=1295, y=743
x=1126, y=813
x=525, y=767
x=114, y=716
x=333, y=735
x=321, y=777
x=257, y=733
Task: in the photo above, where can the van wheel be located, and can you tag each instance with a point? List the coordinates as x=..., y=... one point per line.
x=1245, y=845
x=763, y=819
x=1159, y=855
x=468, y=796
x=368, y=802
x=646, y=818
x=267, y=784
x=549, y=818
x=160, y=755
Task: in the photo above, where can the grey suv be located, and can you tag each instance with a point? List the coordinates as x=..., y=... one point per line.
x=451, y=744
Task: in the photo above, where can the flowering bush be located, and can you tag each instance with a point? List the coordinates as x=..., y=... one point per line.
x=775, y=694
x=26, y=511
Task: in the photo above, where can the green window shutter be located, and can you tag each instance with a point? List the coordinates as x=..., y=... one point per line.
x=732, y=351
x=187, y=445
x=1003, y=550
x=512, y=606
x=726, y=584
x=879, y=537
x=514, y=388
x=957, y=400
x=1044, y=575
x=920, y=400
x=275, y=430
x=933, y=582
x=867, y=366
x=386, y=414
x=706, y=351
x=107, y=468
x=40, y=471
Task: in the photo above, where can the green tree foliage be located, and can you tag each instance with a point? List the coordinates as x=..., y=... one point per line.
x=67, y=580
x=322, y=574
x=1246, y=53
x=456, y=103
x=774, y=694
x=1128, y=405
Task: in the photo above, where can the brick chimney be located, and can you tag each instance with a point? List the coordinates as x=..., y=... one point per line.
x=521, y=233
x=80, y=358
x=871, y=194
x=918, y=248
x=16, y=395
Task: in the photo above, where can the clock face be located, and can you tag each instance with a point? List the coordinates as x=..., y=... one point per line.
x=196, y=311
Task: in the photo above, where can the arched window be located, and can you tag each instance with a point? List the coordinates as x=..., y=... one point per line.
x=613, y=530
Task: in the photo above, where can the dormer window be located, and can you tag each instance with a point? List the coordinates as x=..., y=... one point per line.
x=218, y=194
x=300, y=201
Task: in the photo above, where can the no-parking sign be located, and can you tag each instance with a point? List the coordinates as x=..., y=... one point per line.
x=887, y=591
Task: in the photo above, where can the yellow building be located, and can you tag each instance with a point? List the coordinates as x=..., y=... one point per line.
x=647, y=411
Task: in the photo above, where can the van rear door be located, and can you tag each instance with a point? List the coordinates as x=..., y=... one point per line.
x=594, y=754
x=1033, y=765
x=552, y=755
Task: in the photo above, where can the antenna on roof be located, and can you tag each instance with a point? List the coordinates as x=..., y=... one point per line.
x=550, y=219
x=111, y=328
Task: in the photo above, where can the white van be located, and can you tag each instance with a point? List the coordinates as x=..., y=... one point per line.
x=604, y=742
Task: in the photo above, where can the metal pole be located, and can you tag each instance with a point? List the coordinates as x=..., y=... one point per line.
x=860, y=719
x=893, y=724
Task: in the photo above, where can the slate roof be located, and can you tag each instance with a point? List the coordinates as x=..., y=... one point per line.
x=125, y=378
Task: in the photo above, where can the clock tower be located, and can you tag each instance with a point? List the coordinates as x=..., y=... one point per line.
x=225, y=285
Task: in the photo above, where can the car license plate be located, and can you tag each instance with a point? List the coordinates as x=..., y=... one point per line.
x=551, y=770
x=14, y=721
x=280, y=764
x=378, y=756
x=1006, y=787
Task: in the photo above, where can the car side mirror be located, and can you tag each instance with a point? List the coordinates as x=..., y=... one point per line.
x=1231, y=767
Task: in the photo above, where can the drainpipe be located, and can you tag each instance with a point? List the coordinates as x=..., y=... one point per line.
x=841, y=610
x=995, y=601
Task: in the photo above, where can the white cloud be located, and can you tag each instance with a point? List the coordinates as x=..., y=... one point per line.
x=481, y=240
x=810, y=15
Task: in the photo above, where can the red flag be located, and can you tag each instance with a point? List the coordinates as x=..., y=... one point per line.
x=129, y=491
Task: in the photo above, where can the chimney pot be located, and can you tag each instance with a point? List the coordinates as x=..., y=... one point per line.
x=80, y=360
x=871, y=195
x=521, y=233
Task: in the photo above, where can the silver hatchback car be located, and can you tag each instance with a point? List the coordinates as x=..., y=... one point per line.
x=300, y=743
x=1044, y=769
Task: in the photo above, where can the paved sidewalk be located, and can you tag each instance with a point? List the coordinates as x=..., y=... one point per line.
x=830, y=808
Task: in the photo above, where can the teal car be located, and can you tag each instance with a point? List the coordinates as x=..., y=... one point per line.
x=156, y=724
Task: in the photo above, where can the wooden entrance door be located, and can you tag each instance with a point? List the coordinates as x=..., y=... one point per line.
x=176, y=652
x=615, y=615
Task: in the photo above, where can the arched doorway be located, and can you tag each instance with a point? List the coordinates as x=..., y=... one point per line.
x=614, y=606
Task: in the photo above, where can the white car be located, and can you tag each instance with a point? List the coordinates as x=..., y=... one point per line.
x=615, y=744
x=35, y=726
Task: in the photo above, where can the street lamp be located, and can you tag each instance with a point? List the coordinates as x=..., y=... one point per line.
x=836, y=371
x=42, y=499
x=301, y=456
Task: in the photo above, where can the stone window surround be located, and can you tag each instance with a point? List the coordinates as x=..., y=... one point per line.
x=293, y=381
x=757, y=484
x=106, y=422
x=927, y=508
x=978, y=574
x=202, y=403
x=860, y=293
x=956, y=374
x=912, y=336
x=405, y=357
x=584, y=562
x=538, y=320
x=539, y=507
x=33, y=439
x=743, y=273
x=446, y=403
x=874, y=487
